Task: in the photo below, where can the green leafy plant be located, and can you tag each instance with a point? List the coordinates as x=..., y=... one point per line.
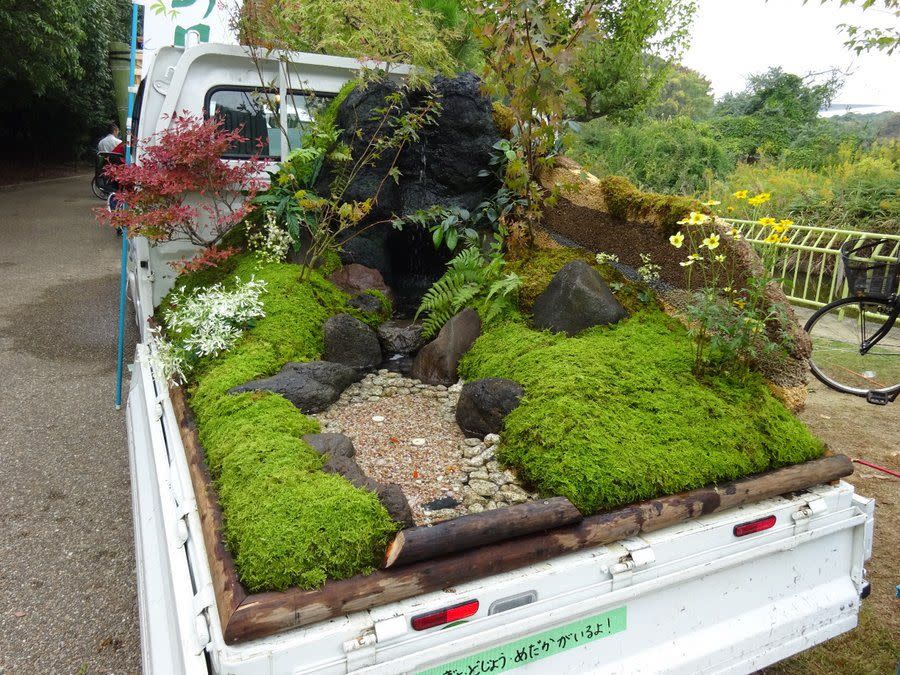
x=472, y=279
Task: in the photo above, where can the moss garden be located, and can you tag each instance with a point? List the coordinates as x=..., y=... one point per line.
x=611, y=416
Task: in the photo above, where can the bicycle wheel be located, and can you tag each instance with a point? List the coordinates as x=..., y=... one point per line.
x=98, y=191
x=838, y=330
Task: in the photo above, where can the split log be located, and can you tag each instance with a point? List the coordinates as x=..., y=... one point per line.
x=264, y=614
x=479, y=529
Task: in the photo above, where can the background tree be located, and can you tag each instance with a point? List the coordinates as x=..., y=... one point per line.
x=685, y=93
x=54, y=72
x=620, y=73
x=389, y=30
x=866, y=38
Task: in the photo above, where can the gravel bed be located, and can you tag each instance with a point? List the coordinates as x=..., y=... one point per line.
x=405, y=432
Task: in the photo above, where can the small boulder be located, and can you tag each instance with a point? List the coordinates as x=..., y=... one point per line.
x=483, y=404
x=334, y=445
x=393, y=499
x=351, y=342
x=355, y=278
x=400, y=337
x=576, y=299
x=311, y=386
x=365, y=302
x=436, y=362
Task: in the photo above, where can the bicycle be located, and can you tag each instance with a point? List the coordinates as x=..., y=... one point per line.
x=856, y=342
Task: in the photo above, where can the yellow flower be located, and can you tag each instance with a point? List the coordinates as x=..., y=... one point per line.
x=711, y=202
x=741, y=194
x=695, y=256
x=740, y=304
x=729, y=208
x=771, y=239
x=720, y=258
x=695, y=218
x=676, y=240
x=787, y=222
x=766, y=221
x=784, y=239
x=711, y=242
x=686, y=263
x=761, y=198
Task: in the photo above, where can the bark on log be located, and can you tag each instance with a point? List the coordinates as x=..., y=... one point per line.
x=479, y=529
x=268, y=613
x=229, y=591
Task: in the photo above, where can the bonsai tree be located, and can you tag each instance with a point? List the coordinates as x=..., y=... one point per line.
x=184, y=160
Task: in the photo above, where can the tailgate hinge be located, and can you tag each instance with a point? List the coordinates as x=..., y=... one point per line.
x=639, y=555
x=361, y=650
x=204, y=601
x=803, y=515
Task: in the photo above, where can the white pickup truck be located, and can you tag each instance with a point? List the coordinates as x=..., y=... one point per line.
x=727, y=592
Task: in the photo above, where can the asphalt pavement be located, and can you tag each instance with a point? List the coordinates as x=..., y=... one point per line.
x=67, y=579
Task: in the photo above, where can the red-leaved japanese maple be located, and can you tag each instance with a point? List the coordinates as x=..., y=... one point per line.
x=185, y=160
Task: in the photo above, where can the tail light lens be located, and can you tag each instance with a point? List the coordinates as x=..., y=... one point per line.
x=754, y=526
x=445, y=615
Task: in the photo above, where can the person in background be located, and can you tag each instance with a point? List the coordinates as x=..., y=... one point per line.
x=109, y=142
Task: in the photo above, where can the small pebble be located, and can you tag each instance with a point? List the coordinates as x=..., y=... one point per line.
x=418, y=442
x=378, y=418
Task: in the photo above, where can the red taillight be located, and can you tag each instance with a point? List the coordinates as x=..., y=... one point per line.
x=754, y=526
x=446, y=615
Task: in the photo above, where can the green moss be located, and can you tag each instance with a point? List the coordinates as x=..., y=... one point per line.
x=285, y=521
x=614, y=415
x=625, y=202
x=538, y=267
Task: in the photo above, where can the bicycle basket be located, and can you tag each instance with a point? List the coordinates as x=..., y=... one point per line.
x=865, y=274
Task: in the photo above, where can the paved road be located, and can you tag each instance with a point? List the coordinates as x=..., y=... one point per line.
x=67, y=583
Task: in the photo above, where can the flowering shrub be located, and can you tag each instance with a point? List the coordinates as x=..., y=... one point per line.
x=205, y=322
x=184, y=159
x=271, y=244
x=730, y=325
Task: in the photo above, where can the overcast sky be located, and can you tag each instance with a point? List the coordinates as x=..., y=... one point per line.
x=735, y=38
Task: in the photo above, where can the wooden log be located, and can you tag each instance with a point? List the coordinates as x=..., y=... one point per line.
x=229, y=591
x=479, y=529
x=268, y=613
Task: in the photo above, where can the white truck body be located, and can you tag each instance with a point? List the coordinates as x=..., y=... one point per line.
x=692, y=598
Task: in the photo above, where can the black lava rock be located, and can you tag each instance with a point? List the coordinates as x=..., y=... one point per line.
x=577, y=298
x=311, y=386
x=400, y=337
x=351, y=342
x=483, y=404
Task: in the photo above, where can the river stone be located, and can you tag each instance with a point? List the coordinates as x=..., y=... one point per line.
x=576, y=299
x=389, y=494
x=336, y=445
x=400, y=337
x=483, y=404
x=351, y=342
x=436, y=362
x=311, y=386
x=483, y=487
x=356, y=278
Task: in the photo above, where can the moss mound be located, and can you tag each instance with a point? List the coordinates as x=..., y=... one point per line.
x=615, y=415
x=286, y=522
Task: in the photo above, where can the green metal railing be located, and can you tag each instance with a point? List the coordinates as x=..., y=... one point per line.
x=808, y=263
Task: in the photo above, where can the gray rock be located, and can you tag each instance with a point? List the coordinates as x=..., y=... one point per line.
x=576, y=299
x=311, y=386
x=483, y=487
x=483, y=405
x=351, y=342
x=355, y=278
x=336, y=445
x=365, y=302
x=400, y=337
x=437, y=361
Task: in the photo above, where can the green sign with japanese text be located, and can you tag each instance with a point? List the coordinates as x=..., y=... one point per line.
x=528, y=650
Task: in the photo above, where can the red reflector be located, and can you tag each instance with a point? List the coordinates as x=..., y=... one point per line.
x=754, y=526
x=446, y=615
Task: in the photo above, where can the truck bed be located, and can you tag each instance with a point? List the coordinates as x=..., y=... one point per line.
x=689, y=598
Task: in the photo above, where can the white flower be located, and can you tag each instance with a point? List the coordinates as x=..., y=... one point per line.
x=272, y=244
x=607, y=258
x=648, y=272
